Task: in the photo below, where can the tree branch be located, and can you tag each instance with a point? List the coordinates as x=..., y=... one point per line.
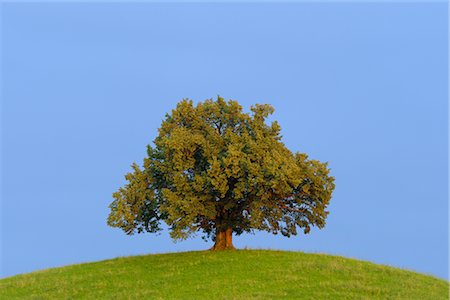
x=293, y=209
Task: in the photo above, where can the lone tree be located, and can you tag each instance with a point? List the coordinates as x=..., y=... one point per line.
x=218, y=170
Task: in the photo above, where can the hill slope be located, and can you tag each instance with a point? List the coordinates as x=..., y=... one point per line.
x=245, y=274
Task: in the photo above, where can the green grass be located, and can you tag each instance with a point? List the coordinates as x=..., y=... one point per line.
x=243, y=274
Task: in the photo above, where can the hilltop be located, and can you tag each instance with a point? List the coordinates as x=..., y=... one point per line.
x=242, y=274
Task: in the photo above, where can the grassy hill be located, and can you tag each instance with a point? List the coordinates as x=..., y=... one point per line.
x=244, y=274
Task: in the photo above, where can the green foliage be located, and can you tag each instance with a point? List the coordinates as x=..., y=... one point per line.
x=245, y=274
x=134, y=208
x=214, y=167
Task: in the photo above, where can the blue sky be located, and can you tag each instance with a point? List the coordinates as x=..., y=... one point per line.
x=363, y=86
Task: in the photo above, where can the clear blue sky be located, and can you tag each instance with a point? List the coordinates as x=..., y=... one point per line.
x=363, y=86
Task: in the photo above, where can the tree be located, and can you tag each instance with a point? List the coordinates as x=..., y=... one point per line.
x=217, y=170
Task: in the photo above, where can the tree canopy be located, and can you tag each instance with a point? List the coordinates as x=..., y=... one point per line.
x=218, y=170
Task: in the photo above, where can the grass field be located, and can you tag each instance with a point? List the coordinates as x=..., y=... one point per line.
x=243, y=274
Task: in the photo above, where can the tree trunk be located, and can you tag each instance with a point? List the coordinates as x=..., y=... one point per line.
x=224, y=240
